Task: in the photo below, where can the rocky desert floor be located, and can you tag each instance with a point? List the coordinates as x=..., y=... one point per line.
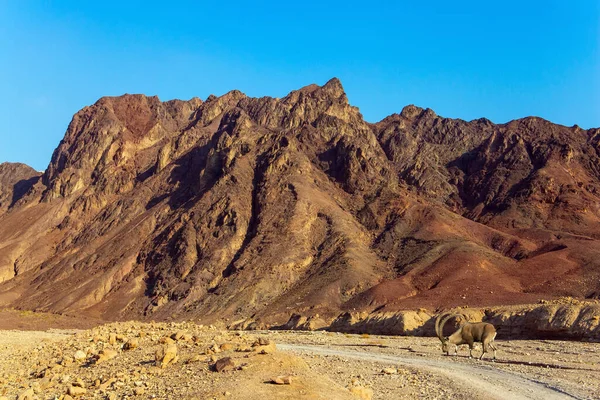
x=184, y=360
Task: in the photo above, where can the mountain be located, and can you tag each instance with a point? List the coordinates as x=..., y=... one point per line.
x=257, y=208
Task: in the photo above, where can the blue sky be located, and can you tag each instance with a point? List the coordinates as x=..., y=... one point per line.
x=468, y=59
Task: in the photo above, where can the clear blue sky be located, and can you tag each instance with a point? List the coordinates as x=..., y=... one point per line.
x=466, y=59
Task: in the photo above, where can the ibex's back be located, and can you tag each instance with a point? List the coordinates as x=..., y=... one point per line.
x=479, y=331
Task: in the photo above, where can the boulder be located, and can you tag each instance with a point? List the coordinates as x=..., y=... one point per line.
x=224, y=364
x=166, y=355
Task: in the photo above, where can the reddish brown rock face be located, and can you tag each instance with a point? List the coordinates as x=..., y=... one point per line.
x=237, y=207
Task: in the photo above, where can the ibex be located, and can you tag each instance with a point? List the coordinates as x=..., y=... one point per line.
x=468, y=333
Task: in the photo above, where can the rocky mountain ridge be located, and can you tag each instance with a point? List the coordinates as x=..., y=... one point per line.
x=258, y=208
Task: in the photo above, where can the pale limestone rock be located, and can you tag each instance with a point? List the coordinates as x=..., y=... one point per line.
x=166, y=355
x=79, y=355
x=282, y=380
x=76, y=391
x=105, y=355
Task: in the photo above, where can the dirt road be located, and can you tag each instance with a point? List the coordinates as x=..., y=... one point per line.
x=484, y=379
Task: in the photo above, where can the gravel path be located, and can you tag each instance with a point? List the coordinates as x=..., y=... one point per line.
x=483, y=379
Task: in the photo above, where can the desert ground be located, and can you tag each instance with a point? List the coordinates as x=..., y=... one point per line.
x=184, y=360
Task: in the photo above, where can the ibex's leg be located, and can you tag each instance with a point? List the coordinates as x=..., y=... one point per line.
x=494, y=349
x=471, y=350
x=484, y=349
x=455, y=350
x=493, y=346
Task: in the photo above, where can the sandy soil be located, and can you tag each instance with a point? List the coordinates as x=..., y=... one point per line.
x=323, y=365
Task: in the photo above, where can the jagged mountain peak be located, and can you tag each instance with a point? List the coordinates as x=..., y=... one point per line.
x=334, y=86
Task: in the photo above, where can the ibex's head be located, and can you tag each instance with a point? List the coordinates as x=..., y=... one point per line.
x=445, y=347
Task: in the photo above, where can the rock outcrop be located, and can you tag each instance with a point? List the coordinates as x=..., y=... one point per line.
x=552, y=320
x=252, y=209
x=16, y=180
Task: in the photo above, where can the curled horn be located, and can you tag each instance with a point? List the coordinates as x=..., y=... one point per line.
x=441, y=325
x=438, y=332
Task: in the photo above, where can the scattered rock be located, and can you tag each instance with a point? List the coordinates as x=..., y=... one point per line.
x=282, y=380
x=266, y=349
x=105, y=355
x=76, y=391
x=224, y=365
x=79, y=383
x=79, y=355
x=194, y=358
x=166, y=355
x=227, y=347
x=131, y=344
